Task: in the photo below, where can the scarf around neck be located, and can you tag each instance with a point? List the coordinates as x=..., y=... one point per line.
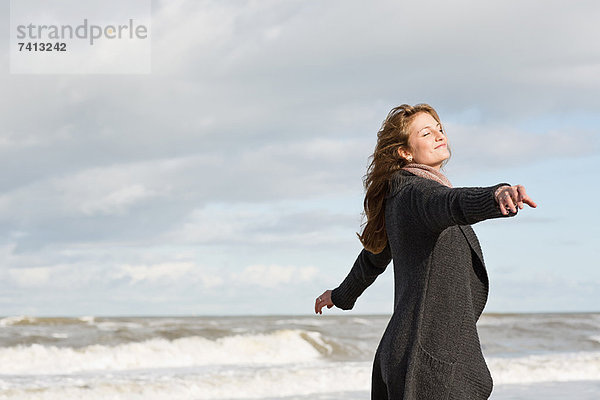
x=425, y=171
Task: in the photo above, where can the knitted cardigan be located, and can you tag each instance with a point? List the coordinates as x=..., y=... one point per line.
x=430, y=349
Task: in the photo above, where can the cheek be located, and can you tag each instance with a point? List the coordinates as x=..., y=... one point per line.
x=425, y=147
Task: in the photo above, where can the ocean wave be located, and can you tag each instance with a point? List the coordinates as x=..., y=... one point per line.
x=554, y=367
x=283, y=347
x=17, y=320
x=25, y=320
x=305, y=322
x=88, y=319
x=361, y=321
x=278, y=347
x=316, y=377
x=233, y=383
x=116, y=325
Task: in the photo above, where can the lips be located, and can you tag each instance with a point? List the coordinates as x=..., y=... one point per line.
x=443, y=144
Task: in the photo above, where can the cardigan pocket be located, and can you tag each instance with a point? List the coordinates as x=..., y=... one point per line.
x=432, y=376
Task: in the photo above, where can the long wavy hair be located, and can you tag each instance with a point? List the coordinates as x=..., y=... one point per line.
x=384, y=162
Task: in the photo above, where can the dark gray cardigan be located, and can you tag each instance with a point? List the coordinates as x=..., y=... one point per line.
x=430, y=348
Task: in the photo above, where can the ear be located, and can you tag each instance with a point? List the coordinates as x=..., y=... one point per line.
x=403, y=153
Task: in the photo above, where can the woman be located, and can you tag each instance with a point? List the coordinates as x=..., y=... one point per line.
x=430, y=348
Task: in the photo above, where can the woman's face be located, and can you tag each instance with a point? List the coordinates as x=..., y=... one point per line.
x=428, y=143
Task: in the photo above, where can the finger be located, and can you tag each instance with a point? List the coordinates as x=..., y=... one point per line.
x=503, y=209
x=530, y=202
x=513, y=200
x=524, y=198
x=505, y=203
x=527, y=199
x=511, y=204
x=521, y=194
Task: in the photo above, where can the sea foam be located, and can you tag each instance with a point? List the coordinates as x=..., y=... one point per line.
x=279, y=347
x=560, y=367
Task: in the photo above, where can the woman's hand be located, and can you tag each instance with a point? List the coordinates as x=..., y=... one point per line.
x=322, y=301
x=509, y=197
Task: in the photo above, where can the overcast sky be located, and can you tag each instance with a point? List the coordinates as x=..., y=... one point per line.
x=229, y=179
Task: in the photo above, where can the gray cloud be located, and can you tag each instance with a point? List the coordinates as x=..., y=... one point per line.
x=252, y=107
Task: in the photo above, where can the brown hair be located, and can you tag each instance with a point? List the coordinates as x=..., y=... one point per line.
x=384, y=162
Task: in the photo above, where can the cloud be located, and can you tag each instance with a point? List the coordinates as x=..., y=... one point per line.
x=284, y=223
x=30, y=277
x=152, y=273
x=118, y=201
x=185, y=272
x=102, y=190
x=276, y=49
x=254, y=129
x=173, y=272
x=273, y=276
x=496, y=145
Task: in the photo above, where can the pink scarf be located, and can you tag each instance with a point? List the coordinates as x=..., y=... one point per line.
x=425, y=171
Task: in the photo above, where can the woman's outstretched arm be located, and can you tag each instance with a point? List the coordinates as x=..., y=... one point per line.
x=363, y=273
x=439, y=207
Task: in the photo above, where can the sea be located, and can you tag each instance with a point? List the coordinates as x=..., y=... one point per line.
x=530, y=356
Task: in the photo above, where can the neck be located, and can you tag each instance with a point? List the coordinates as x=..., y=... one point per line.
x=435, y=166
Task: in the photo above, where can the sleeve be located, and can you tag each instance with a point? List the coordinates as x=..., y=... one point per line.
x=439, y=207
x=367, y=267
